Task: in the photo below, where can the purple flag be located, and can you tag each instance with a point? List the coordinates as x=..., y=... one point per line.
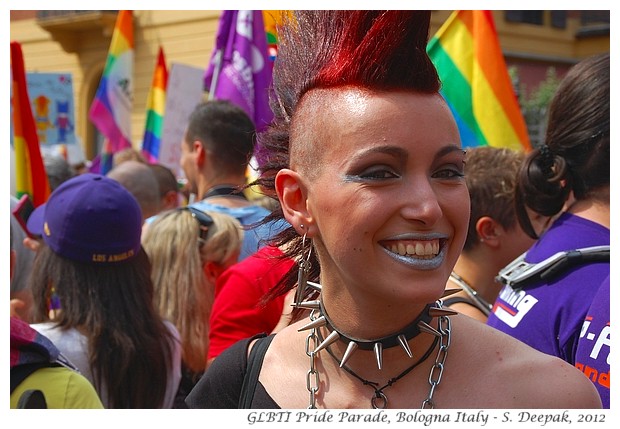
x=240, y=69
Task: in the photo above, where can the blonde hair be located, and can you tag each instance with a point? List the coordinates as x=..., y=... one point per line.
x=182, y=292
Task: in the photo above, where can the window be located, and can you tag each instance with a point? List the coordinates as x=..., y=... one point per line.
x=525, y=16
x=558, y=18
x=589, y=17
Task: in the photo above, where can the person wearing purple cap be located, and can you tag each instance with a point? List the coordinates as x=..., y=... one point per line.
x=93, y=294
x=41, y=377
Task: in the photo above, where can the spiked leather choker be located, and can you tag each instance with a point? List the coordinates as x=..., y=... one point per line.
x=410, y=331
x=420, y=324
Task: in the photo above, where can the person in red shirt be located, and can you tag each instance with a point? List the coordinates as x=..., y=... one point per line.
x=239, y=310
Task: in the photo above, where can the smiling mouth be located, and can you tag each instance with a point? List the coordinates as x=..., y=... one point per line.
x=418, y=248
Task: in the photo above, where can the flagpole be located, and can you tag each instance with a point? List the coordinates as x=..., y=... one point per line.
x=216, y=73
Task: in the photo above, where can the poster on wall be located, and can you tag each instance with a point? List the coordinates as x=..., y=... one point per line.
x=51, y=98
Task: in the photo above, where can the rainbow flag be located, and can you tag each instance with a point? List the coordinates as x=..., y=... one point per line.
x=111, y=108
x=155, y=105
x=271, y=19
x=30, y=175
x=475, y=81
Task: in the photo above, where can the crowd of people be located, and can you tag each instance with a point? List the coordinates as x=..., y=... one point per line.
x=392, y=268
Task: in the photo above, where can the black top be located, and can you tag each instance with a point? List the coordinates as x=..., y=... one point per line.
x=220, y=386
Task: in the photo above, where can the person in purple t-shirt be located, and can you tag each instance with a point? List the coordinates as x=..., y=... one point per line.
x=568, y=177
x=594, y=342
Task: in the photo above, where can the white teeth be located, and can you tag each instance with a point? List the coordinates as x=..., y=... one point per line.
x=419, y=249
x=416, y=249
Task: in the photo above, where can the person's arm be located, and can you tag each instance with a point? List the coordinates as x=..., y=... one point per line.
x=573, y=390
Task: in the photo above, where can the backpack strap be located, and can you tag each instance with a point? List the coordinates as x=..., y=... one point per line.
x=32, y=399
x=20, y=372
x=255, y=363
x=519, y=273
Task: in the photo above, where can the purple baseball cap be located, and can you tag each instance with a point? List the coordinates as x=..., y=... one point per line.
x=90, y=218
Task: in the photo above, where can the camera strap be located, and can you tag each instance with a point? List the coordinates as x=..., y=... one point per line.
x=520, y=273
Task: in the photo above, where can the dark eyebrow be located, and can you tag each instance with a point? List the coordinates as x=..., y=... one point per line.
x=400, y=153
x=396, y=152
x=449, y=149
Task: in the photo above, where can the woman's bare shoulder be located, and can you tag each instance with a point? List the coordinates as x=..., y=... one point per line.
x=513, y=374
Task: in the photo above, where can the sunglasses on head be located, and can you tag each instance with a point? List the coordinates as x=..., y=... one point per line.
x=204, y=220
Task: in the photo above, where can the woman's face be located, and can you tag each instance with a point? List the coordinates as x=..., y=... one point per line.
x=386, y=190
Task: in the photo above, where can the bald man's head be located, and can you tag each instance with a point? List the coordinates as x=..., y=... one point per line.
x=141, y=182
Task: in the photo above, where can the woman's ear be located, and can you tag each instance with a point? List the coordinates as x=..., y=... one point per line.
x=293, y=199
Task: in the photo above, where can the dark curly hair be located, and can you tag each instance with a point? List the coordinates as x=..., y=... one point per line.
x=575, y=156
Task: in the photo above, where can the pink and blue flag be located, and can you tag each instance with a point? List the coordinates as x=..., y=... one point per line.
x=240, y=68
x=111, y=108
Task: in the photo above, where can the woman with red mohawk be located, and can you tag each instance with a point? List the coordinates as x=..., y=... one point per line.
x=366, y=161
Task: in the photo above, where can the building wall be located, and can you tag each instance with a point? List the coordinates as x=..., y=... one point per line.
x=188, y=37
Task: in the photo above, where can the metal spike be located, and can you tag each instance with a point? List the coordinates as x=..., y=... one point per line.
x=317, y=287
x=449, y=292
x=331, y=338
x=302, y=277
x=438, y=311
x=321, y=321
x=403, y=343
x=307, y=304
x=379, y=354
x=348, y=352
x=425, y=327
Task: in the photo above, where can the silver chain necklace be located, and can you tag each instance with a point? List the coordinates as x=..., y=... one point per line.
x=434, y=378
x=312, y=377
x=443, y=332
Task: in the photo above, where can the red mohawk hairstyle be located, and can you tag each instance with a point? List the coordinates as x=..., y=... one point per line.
x=383, y=50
